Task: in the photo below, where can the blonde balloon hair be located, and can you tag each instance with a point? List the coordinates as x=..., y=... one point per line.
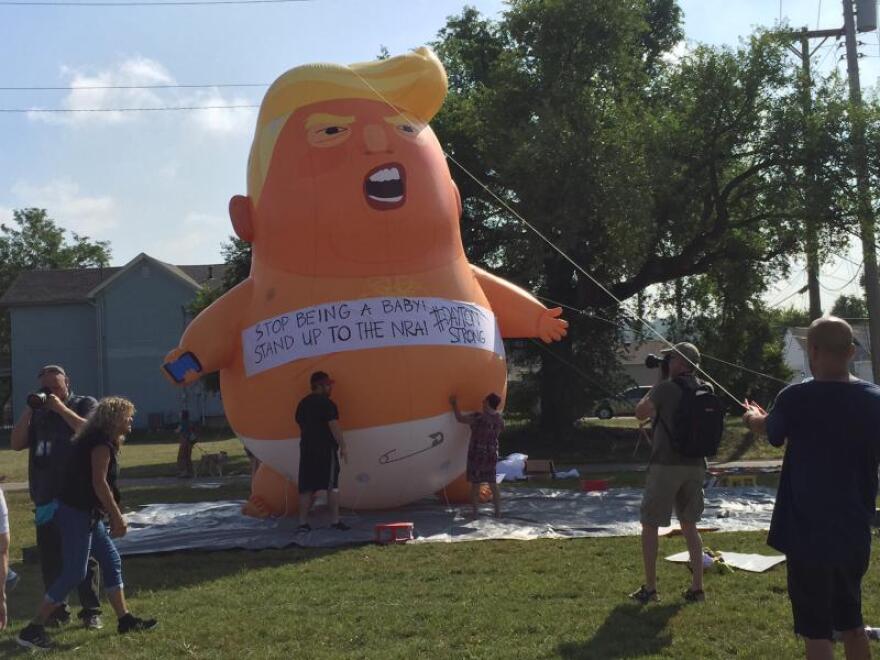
x=414, y=83
x=110, y=415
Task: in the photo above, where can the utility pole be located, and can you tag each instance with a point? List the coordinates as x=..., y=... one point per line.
x=867, y=21
x=863, y=192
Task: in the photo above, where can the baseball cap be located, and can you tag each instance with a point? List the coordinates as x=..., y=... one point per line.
x=687, y=350
x=52, y=369
x=321, y=378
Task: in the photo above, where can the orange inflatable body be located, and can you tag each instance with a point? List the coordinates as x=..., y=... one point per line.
x=358, y=270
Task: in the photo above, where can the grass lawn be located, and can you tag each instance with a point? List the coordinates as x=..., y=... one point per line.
x=593, y=441
x=538, y=599
x=499, y=599
x=143, y=455
x=614, y=441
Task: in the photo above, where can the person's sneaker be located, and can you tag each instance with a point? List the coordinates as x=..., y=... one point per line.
x=130, y=623
x=645, y=595
x=305, y=527
x=12, y=579
x=60, y=617
x=341, y=526
x=692, y=596
x=91, y=621
x=34, y=637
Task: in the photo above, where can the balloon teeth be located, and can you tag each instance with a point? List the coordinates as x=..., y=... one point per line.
x=387, y=174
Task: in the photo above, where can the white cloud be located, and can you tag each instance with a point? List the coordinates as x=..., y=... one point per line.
x=129, y=72
x=222, y=121
x=83, y=214
x=678, y=51
x=195, y=241
x=5, y=214
x=141, y=71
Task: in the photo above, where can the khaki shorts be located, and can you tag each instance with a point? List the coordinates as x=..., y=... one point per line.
x=668, y=487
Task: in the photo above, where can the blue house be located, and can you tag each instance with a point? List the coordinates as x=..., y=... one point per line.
x=110, y=328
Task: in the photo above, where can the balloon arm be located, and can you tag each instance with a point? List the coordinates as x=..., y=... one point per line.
x=519, y=313
x=216, y=332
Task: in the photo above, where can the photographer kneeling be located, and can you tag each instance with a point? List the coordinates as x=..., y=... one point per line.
x=687, y=425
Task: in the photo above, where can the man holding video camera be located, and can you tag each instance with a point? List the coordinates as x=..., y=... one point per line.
x=45, y=429
x=674, y=481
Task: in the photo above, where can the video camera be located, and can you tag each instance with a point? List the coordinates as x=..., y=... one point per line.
x=37, y=400
x=655, y=361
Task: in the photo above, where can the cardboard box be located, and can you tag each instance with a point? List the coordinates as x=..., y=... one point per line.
x=539, y=468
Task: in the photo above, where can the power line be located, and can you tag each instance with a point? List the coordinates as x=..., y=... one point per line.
x=159, y=109
x=853, y=279
x=140, y=3
x=628, y=326
x=803, y=289
x=576, y=369
x=746, y=369
x=93, y=87
x=847, y=259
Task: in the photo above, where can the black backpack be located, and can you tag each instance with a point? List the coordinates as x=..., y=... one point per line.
x=698, y=420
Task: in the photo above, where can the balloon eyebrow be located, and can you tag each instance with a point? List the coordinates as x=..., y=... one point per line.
x=401, y=120
x=324, y=119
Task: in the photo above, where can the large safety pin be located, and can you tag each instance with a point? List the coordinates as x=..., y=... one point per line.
x=436, y=439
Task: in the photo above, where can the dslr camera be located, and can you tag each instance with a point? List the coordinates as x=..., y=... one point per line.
x=37, y=400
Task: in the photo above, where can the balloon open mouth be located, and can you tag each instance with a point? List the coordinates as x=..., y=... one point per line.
x=385, y=186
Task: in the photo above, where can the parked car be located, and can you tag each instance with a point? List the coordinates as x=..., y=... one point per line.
x=623, y=405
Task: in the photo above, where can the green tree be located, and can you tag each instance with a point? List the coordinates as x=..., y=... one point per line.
x=790, y=317
x=237, y=257
x=850, y=307
x=642, y=169
x=32, y=241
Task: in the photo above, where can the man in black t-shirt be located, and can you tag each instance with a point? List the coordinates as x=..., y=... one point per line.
x=46, y=433
x=320, y=446
x=827, y=490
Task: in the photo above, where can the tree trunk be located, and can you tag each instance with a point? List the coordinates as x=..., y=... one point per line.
x=556, y=381
x=557, y=376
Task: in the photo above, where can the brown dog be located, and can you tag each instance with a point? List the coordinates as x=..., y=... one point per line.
x=212, y=463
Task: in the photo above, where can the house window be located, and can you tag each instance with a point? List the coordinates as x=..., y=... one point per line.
x=145, y=271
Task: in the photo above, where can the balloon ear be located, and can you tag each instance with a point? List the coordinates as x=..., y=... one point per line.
x=241, y=211
x=457, y=198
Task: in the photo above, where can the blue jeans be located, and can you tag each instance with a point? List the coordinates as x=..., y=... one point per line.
x=81, y=537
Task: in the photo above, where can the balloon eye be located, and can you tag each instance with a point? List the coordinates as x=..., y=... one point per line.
x=406, y=128
x=334, y=130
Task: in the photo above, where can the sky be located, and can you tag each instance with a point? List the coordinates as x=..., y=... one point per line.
x=159, y=182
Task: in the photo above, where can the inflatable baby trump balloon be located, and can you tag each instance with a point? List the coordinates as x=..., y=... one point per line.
x=358, y=270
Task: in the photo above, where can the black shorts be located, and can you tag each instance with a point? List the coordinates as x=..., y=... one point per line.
x=825, y=598
x=318, y=469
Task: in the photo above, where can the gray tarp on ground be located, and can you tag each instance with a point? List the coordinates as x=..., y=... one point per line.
x=528, y=514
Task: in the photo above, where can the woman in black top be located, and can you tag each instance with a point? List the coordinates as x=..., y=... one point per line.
x=88, y=496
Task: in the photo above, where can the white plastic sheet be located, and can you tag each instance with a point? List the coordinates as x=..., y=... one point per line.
x=529, y=513
x=513, y=467
x=754, y=563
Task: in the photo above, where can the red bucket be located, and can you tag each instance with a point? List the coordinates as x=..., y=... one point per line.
x=588, y=485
